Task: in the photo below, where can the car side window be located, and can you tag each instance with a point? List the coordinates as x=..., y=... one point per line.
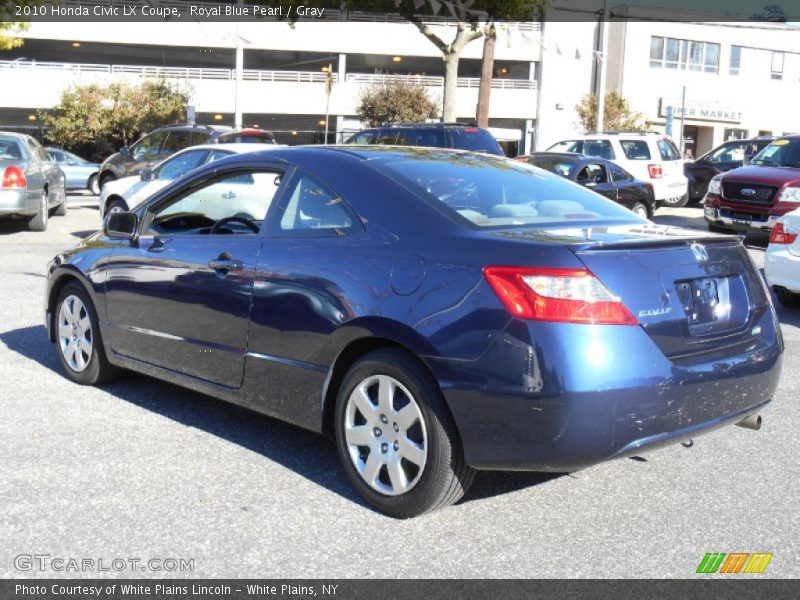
x=618, y=173
x=567, y=146
x=199, y=137
x=362, y=137
x=217, y=154
x=635, y=149
x=58, y=157
x=310, y=208
x=593, y=173
x=149, y=145
x=598, y=149
x=180, y=164
x=233, y=204
x=728, y=153
x=177, y=141
x=668, y=150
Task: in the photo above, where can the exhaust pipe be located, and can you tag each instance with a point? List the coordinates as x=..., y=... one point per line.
x=751, y=422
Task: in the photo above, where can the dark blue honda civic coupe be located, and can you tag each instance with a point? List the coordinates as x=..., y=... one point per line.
x=435, y=311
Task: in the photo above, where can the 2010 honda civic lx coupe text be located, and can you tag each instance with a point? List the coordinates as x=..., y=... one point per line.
x=435, y=311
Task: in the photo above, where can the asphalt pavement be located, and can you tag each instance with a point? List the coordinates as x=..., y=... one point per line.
x=140, y=469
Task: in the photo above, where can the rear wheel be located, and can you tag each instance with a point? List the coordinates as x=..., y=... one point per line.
x=677, y=202
x=38, y=222
x=396, y=438
x=787, y=298
x=93, y=185
x=640, y=208
x=80, y=348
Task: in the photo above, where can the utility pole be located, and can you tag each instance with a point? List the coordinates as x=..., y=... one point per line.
x=487, y=67
x=239, y=67
x=328, y=89
x=601, y=84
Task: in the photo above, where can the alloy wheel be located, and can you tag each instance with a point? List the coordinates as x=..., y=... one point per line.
x=386, y=435
x=75, y=333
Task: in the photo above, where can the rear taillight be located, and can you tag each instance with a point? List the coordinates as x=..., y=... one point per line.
x=655, y=171
x=560, y=295
x=13, y=177
x=781, y=235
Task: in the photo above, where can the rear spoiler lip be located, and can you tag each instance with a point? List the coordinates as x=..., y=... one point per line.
x=647, y=243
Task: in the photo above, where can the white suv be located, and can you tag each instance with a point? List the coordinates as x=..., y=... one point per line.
x=651, y=157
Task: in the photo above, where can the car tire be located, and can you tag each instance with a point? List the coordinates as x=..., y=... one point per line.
x=105, y=178
x=678, y=202
x=93, y=185
x=61, y=209
x=640, y=209
x=786, y=298
x=79, y=344
x=419, y=465
x=38, y=222
x=115, y=205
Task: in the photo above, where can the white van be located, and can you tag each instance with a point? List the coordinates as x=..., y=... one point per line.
x=651, y=157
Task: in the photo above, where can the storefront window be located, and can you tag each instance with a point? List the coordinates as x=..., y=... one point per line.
x=735, y=134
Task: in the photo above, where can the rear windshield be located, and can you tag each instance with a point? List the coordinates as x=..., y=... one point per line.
x=396, y=136
x=494, y=192
x=261, y=137
x=11, y=149
x=780, y=153
x=635, y=149
x=473, y=138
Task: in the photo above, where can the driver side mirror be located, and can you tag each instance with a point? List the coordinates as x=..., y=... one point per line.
x=125, y=151
x=121, y=225
x=146, y=174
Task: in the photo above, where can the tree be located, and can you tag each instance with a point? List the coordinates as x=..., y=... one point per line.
x=10, y=23
x=617, y=114
x=473, y=18
x=395, y=101
x=97, y=119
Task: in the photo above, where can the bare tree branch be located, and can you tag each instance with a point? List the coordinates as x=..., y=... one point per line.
x=428, y=33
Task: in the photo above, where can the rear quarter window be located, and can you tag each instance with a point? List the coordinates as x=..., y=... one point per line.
x=475, y=139
x=635, y=149
x=598, y=149
x=668, y=150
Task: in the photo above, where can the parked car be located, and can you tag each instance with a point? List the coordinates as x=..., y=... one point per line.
x=154, y=147
x=651, y=157
x=439, y=135
x=81, y=174
x=725, y=157
x=753, y=198
x=782, y=259
x=126, y=193
x=32, y=184
x=435, y=311
x=601, y=176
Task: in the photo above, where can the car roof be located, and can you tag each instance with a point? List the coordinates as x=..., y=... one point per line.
x=235, y=148
x=14, y=134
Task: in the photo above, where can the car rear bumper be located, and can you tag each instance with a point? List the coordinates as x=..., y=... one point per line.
x=782, y=268
x=528, y=407
x=15, y=202
x=673, y=187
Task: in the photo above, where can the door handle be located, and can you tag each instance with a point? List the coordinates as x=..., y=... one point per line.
x=226, y=264
x=228, y=195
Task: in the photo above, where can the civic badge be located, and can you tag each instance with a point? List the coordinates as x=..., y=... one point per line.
x=699, y=251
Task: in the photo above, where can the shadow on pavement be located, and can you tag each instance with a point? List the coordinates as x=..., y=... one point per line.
x=83, y=234
x=306, y=453
x=8, y=226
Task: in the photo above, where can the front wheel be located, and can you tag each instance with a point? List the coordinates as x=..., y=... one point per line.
x=676, y=202
x=116, y=205
x=78, y=342
x=396, y=438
